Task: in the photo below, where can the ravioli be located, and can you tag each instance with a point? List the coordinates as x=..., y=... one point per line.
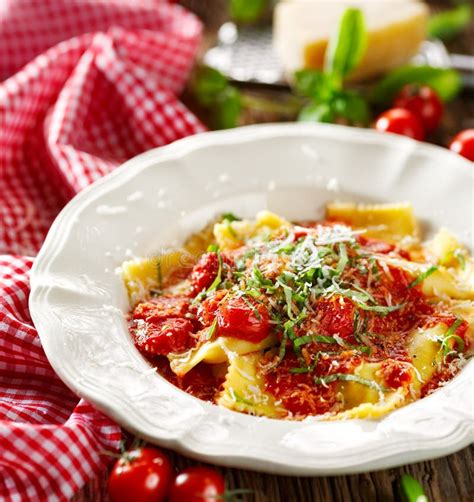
x=344, y=318
x=224, y=349
x=390, y=222
x=244, y=389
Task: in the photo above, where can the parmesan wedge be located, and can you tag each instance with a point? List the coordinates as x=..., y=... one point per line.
x=302, y=29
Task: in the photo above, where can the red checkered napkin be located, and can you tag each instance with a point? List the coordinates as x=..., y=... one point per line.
x=101, y=88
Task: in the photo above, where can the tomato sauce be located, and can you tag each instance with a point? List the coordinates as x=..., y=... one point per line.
x=297, y=392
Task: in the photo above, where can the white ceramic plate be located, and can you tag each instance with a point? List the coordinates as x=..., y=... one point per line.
x=156, y=199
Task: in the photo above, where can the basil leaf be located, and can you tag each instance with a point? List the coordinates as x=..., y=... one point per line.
x=412, y=490
x=450, y=335
x=446, y=82
x=381, y=309
x=237, y=398
x=448, y=24
x=352, y=107
x=212, y=330
x=246, y=11
x=423, y=276
x=254, y=309
x=227, y=108
x=348, y=377
x=282, y=349
x=260, y=279
x=303, y=340
x=218, y=278
x=213, y=91
x=343, y=259
x=445, y=349
x=317, y=112
x=207, y=84
x=348, y=45
x=315, y=84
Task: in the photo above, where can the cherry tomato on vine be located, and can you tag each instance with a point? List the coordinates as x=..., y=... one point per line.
x=463, y=144
x=423, y=102
x=197, y=484
x=142, y=474
x=400, y=121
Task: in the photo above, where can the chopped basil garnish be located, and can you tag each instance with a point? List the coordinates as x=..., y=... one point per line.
x=282, y=350
x=343, y=259
x=303, y=340
x=253, y=307
x=450, y=335
x=348, y=377
x=212, y=330
x=218, y=279
x=237, y=398
x=381, y=309
x=423, y=276
x=259, y=278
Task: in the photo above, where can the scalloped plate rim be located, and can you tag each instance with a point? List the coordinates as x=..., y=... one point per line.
x=180, y=149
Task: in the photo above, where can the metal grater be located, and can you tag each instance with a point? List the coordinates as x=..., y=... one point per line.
x=246, y=55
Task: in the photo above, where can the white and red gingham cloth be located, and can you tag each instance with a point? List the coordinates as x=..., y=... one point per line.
x=89, y=84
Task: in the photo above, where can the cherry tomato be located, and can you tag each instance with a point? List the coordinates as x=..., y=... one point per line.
x=247, y=320
x=142, y=474
x=208, y=309
x=204, y=272
x=400, y=121
x=336, y=316
x=463, y=143
x=197, y=484
x=164, y=336
x=423, y=102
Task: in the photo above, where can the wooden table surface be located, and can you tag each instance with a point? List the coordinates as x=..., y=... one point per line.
x=447, y=479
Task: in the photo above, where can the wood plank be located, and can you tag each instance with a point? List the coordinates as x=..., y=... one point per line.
x=447, y=479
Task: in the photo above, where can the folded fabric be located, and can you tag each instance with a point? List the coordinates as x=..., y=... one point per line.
x=71, y=115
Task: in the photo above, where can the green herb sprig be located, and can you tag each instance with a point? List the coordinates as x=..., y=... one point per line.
x=329, y=100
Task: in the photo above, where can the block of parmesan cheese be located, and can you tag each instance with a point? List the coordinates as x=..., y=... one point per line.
x=302, y=28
